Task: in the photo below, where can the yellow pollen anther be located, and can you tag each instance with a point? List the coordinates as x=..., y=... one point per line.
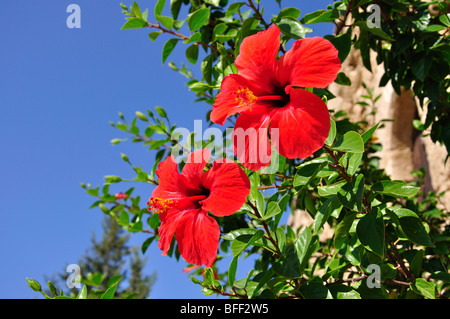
x=245, y=97
x=160, y=205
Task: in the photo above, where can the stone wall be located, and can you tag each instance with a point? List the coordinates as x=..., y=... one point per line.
x=404, y=149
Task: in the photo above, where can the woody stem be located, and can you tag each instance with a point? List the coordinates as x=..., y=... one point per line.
x=266, y=228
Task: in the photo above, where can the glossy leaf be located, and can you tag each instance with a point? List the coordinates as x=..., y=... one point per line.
x=242, y=242
x=394, y=188
x=82, y=294
x=351, y=194
x=169, y=46
x=135, y=23
x=292, y=27
x=370, y=231
x=272, y=210
x=232, y=270
x=332, y=134
x=412, y=226
x=198, y=19
x=307, y=172
x=425, y=288
x=349, y=142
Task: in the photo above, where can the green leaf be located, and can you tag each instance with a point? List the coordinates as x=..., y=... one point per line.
x=324, y=213
x=331, y=133
x=416, y=263
x=320, y=16
x=244, y=241
x=297, y=255
x=137, y=227
x=395, y=188
x=196, y=37
x=239, y=232
x=166, y=21
x=445, y=19
x=343, y=79
x=376, y=31
x=271, y=210
x=330, y=190
x=159, y=7
x=146, y=244
x=421, y=65
x=349, y=142
x=192, y=53
x=124, y=219
x=136, y=10
x=168, y=48
x=351, y=162
x=260, y=203
x=219, y=29
x=112, y=179
x=425, y=288
x=209, y=276
x=343, y=228
x=442, y=6
x=370, y=231
x=418, y=125
x=351, y=194
x=289, y=12
x=109, y=293
x=307, y=172
x=82, y=294
x=342, y=43
x=340, y=291
x=411, y=225
x=232, y=270
x=368, y=134
x=305, y=246
x=154, y=35
x=292, y=27
x=315, y=289
x=233, y=8
x=135, y=23
x=226, y=37
x=435, y=28
x=198, y=19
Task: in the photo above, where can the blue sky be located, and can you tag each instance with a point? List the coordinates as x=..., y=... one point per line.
x=59, y=88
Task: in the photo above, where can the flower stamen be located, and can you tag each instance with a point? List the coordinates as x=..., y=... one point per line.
x=160, y=205
x=245, y=97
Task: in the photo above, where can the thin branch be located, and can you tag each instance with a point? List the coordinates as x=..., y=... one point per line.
x=177, y=34
x=399, y=261
x=266, y=228
x=258, y=13
x=341, y=170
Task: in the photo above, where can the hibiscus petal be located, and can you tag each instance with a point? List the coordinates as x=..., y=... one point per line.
x=257, y=58
x=229, y=187
x=198, y=236
x=311, y=62
x=303, y=125
x=195, y=164
x=236, y=95
x=169, y=223
x=250, y=138
x=171, y=183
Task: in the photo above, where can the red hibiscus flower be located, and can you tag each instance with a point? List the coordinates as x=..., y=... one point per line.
x=269, y=92
x=183, y=201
